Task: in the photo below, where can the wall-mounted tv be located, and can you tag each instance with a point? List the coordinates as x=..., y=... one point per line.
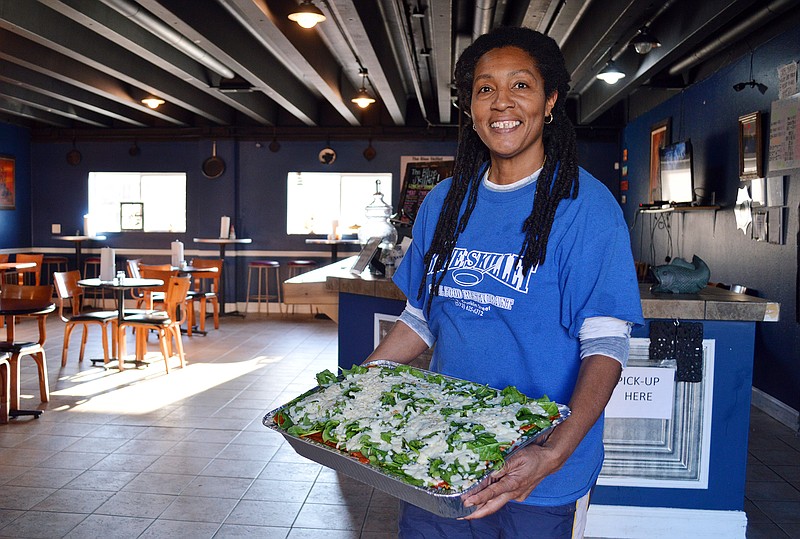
x=677, y=178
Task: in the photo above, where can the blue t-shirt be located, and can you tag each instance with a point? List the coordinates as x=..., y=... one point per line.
x=496, y=326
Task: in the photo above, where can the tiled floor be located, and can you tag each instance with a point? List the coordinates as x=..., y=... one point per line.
x=143, y=454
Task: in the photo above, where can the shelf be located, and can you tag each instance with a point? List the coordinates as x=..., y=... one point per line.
x=696, y=208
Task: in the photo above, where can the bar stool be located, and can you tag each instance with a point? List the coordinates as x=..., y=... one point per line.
x=296, y=267
x=91, y=269
x=263, y=268
x=51, y=264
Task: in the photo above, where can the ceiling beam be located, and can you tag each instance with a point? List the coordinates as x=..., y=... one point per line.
x=39, y=82
x=680, y=30
x=116, y=27
x=214, y=29
x=51, y=105
x=15, y=108
x=43, y=60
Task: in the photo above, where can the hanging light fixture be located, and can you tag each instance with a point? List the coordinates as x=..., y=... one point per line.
x=644, y=41
x=752, y=83
x=610, y=74
x=152, y=102
x=307, y=14
x=362, y=98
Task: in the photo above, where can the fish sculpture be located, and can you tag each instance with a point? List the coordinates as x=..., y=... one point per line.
x=681, y=277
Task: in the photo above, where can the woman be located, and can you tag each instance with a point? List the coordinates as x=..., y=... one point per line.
x=521, y=273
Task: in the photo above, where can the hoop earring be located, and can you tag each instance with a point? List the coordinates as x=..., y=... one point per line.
x=548, y=119
x=473, y=127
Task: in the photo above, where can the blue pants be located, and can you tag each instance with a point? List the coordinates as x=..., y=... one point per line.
x=514, y=520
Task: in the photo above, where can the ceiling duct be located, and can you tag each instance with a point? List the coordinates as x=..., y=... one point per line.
x=748, y=24
x=162, y=30
x=484, y=15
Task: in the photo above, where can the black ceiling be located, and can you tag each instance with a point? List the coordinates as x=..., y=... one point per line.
x=73, y=68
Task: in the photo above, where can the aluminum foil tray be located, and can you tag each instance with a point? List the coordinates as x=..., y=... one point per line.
x=445, y=505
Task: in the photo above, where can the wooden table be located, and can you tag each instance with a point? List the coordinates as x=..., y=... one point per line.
x=78, y=241
x=10, y=308
x=120, y=286
x=223, y=243
x=334, y=245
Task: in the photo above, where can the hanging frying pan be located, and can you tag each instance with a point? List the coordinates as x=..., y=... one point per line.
x=214, y=166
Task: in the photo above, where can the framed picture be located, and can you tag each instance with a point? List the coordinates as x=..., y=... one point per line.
x=660, y=136
x=8, y=186
x=750, y=146
x=131, y=216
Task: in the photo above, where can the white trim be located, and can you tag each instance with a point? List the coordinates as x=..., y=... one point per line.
x=776, y=409
x=623, y=522
x=230, y=253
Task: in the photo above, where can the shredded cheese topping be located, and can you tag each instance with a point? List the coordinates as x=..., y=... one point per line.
x=431, y=431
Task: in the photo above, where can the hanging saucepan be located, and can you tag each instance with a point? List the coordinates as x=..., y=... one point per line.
x=74, y=156
x=214, y=166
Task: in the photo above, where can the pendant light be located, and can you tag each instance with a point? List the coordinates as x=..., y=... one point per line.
x=644, y=41
x=152, y=102
x=610, y=74
x=307, y=14
x=362, y=98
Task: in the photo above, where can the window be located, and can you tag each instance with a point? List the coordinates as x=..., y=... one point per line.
x=162, y=196
x=315, y=199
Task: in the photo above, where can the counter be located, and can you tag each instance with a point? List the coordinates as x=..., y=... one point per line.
x=678, y=477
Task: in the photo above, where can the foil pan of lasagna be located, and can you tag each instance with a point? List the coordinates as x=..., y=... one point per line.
x=426, y=438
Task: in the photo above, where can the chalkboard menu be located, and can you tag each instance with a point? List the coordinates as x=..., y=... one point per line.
x=420, y=175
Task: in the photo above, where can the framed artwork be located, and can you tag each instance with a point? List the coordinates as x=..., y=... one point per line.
x=8, y=186
x=750, y=146
x=131, y=216
x=660, y=136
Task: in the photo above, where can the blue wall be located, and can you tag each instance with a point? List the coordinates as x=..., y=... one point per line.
x=15, y=225
x=707, y=113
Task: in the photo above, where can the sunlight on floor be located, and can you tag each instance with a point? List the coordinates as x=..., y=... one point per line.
x=142, y=391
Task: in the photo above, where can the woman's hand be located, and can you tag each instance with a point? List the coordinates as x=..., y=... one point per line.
x=515, y=480
x=522, y=472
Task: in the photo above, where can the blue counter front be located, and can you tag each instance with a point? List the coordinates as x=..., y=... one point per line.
x=710, y=506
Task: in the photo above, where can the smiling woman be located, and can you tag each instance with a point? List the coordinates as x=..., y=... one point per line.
x=520, y=279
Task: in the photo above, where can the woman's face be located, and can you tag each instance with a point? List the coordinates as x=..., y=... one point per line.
x=509, y=105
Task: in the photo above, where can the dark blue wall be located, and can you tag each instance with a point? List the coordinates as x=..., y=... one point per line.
x=707, y=113
x=15, y=225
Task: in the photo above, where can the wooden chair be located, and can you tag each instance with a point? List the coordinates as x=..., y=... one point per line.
x=3, y=260
x=206, y=288
x=32, y=275
x=155, y=294
x=5, y=388
x=16, y=350
x=67, y=290
x=167, y=322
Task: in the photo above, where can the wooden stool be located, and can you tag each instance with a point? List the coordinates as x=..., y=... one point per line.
x=262, y=268
x=296, y=267
x=91, y=270
x=52, y=264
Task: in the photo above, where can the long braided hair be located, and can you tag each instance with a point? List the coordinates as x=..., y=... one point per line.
x=559, y=147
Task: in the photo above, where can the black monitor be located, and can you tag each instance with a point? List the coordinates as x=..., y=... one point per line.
x=677, y=178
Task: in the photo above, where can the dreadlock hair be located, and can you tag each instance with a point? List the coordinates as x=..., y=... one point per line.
x=560, y=150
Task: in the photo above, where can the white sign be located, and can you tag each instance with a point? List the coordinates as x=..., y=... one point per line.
x=643, y=392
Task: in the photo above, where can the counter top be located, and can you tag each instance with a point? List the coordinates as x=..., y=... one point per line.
x=710, y=303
